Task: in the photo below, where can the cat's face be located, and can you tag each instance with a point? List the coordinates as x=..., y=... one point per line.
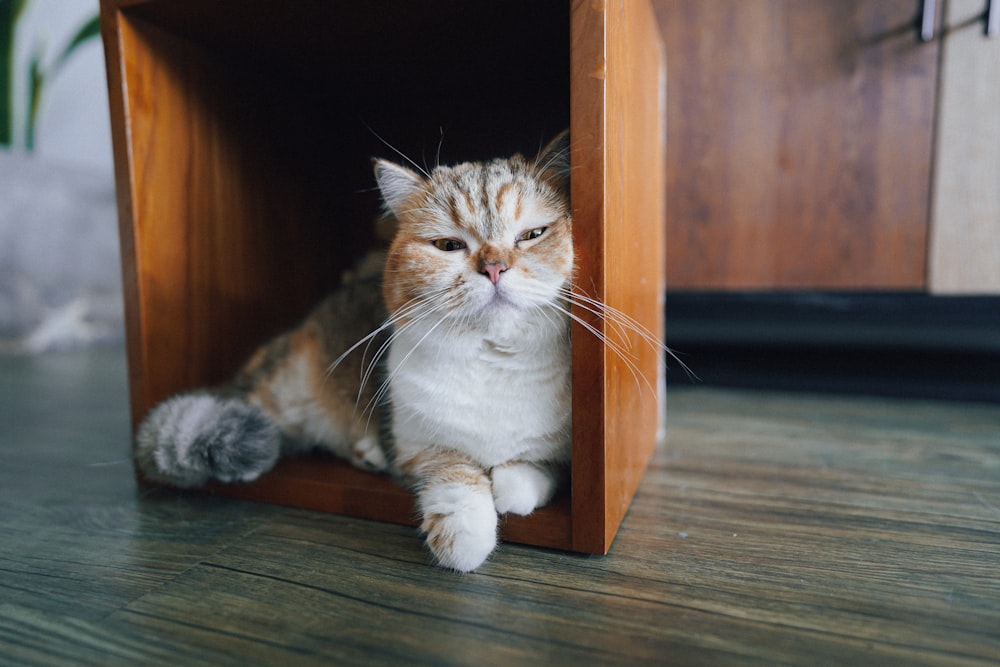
x=479, y=241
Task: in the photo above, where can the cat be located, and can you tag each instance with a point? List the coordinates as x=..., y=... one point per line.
x=468, y=313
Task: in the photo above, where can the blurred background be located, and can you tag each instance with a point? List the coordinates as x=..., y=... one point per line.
x=60, y=281
x=833, y=192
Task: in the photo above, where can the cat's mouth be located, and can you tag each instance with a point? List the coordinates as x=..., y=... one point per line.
x=497, y=300
x=500, y=299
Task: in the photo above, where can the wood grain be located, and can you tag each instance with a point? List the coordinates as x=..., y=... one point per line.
x=239, y=193
x=801, y=141
x=771, y=529
x=618, y=135
x=965, y=227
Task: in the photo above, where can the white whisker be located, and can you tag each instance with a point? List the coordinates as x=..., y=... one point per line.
x=628, y=362
x=384, y=388
x=398, y=152
x=624, y=322
x=410, y=313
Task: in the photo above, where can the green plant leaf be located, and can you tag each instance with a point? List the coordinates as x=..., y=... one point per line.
x=37, y=76
x=10, y=12
x=36, y=80
x=16, y=7
x=87, y=31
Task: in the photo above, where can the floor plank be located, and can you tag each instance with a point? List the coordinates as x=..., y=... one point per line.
x=771, y=529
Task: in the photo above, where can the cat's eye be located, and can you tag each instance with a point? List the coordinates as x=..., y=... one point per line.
x=531, y=234
x=448, y=245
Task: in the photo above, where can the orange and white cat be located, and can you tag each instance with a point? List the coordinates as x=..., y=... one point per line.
x=467, y=316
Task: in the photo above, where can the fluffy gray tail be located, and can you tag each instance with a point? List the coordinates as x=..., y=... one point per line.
x=194, y=437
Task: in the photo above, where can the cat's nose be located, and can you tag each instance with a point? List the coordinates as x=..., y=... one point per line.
x=492, y=270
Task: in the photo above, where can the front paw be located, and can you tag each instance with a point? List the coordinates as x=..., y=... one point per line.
x=520, y=487
x=460, y=523
x=367, y=454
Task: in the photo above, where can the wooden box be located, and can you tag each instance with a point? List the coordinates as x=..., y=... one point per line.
x=243, y=135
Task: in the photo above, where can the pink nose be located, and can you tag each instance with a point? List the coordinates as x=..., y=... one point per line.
x=493, y=271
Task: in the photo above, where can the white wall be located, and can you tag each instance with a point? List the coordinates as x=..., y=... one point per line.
x=73, y=122
x=60, y=281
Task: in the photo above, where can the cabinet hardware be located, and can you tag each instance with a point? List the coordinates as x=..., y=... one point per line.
x=992, y=18
x=928, y=14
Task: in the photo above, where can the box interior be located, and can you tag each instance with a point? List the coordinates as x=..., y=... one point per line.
x=250, y=136
x=288, y=108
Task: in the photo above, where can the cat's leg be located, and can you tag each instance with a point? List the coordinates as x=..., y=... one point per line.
x=367, y=454
x=520, y=487
x=314, y=408
x=455, y=501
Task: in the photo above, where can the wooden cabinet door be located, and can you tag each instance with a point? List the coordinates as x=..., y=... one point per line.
x=800, y=144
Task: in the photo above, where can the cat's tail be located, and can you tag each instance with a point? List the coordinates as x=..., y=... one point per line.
x=200, y=435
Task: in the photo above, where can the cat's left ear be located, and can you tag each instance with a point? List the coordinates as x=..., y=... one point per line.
x=396, y=183
x=552, y=163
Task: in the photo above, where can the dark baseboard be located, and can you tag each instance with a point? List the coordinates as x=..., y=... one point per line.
x=893, y=344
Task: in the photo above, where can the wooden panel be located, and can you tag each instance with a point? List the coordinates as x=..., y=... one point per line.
x=617, y=120
x=239, y=189
x=220, y=216
x=800, y=144
x=333, y=486
x=965, y=228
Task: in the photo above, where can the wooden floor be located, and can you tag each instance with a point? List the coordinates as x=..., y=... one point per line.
x=773, y=529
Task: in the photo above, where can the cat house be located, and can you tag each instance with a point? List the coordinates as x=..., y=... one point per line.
x=243, y=135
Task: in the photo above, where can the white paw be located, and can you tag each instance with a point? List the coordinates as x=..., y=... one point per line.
x=367, y=454
x=520, y=488
x=460, y=523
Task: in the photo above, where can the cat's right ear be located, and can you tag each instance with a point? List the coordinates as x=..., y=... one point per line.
x=397, y=184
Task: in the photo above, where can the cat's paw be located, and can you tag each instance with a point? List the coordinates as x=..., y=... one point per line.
x=192, y=438
x=460, y=523
x=367, y=454
x=521, y=487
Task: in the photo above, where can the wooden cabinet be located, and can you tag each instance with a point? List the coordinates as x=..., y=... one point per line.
x=242, y=154
x=802, y=147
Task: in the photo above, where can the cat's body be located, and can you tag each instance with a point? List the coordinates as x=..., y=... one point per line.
x=477, y=366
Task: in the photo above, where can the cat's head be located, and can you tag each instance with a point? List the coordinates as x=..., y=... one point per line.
x=479, y=240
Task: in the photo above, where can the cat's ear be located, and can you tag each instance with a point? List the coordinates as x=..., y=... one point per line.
x=396, y=184
x=552, y=163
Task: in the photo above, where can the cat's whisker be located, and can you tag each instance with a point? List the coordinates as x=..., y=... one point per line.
x=546, y=311
x=555, y=157
x=416, y=308
x=398, y=152
x=415, y=312
x=623, y=326
x=367, y=340
x=620, y=318
x=437, y=155
x=384, y=388
x=630, y=364
x=629, y=323
x=602, y=312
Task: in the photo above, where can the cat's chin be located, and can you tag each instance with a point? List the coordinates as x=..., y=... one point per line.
x=499, y=306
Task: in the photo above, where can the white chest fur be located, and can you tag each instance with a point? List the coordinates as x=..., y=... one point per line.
x=499, y=396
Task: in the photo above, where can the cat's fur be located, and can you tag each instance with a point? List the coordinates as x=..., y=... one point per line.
x=475, y=285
